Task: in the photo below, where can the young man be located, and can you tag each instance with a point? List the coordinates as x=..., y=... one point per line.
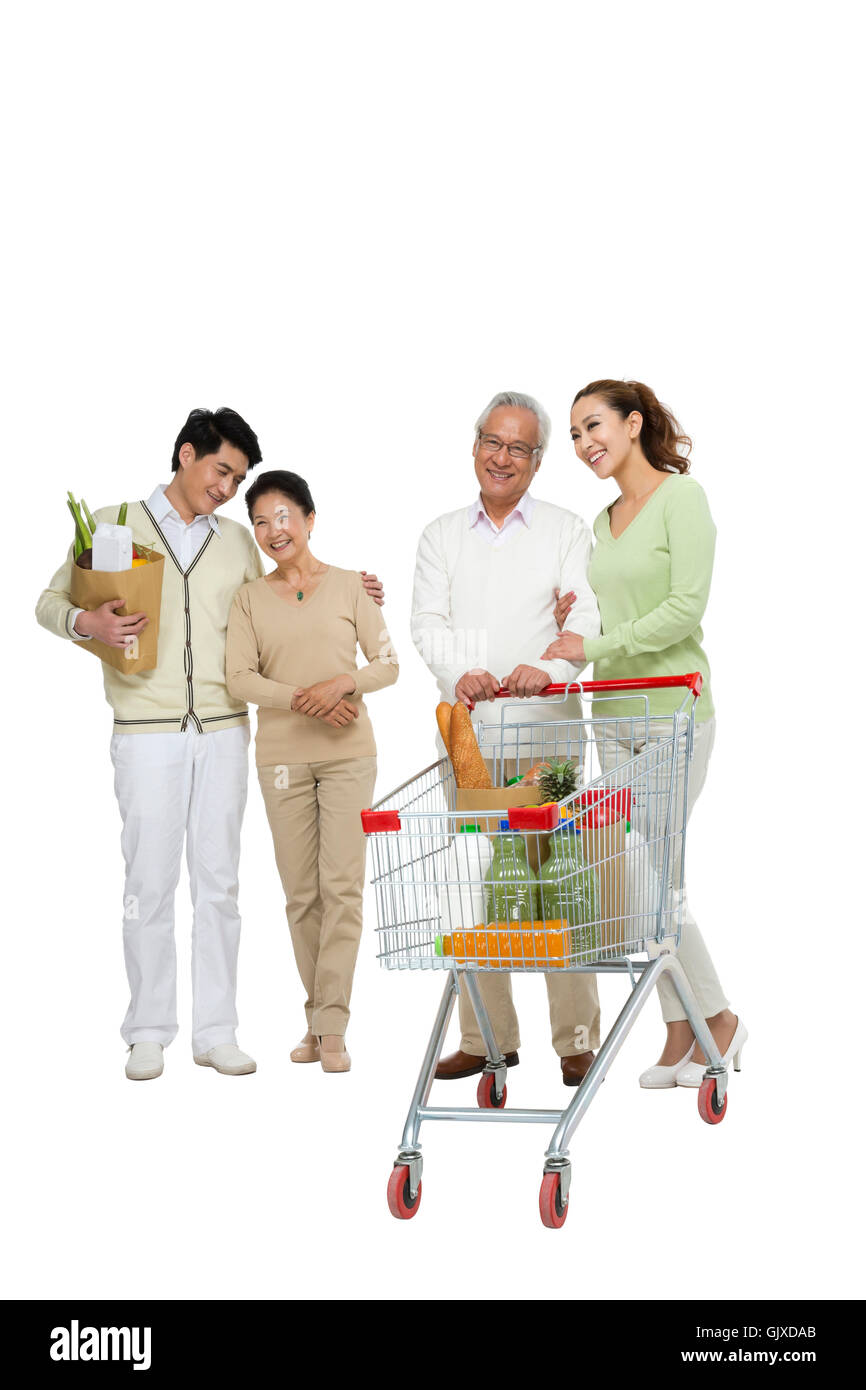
x=180, y=743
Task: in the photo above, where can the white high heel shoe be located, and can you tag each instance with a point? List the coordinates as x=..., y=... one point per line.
x=693, y=1074
x=663, y=1078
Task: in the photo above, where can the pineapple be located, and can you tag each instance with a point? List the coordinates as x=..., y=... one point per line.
x=557, y=780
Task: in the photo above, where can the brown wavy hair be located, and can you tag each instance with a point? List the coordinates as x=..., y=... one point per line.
x=661, y=436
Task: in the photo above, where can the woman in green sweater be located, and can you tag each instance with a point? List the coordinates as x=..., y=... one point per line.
x=651, y=569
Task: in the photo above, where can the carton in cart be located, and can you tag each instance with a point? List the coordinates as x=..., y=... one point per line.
x=495, y=802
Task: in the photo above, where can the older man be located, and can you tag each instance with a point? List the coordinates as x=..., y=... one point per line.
x=485, y=578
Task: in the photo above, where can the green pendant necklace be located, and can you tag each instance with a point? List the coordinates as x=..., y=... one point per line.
x=299, y=595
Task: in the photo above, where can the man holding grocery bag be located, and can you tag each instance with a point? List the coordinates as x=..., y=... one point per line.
x=484, y=579
x=170, y=780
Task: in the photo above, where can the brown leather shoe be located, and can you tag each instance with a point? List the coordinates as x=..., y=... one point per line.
x=574, y=1069
x=460, y=1064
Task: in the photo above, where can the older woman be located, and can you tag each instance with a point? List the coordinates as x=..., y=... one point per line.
x=291, y=646
x=650, y=570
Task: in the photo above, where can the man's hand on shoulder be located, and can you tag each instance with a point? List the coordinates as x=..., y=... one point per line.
x=526, y=680
x=374, y=587
x=476, y=685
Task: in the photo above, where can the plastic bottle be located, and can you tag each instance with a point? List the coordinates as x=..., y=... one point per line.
x=569, y=888
x=461, y=902
x=512, y=889
x=112, y=547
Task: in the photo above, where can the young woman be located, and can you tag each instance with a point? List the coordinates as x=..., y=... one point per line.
x=290, y=649
x=650, y=569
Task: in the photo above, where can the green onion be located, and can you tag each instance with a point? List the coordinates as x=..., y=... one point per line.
x=81, y=527
x=90, y=521
x=77, y=544
x=121, y=515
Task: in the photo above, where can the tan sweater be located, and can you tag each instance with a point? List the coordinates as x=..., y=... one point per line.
x=275, y=645
x=188, y=687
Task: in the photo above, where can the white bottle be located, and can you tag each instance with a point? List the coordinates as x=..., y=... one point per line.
x=461, y=901
x=642, y=887
x=112, y=547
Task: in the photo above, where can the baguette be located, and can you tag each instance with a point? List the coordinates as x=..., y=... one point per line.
x=470, y=768
x=443, y=719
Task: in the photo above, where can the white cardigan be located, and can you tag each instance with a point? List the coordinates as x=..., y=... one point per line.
x=477, y=605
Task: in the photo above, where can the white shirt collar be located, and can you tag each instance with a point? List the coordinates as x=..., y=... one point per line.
x=159, y=504
x=523, y=511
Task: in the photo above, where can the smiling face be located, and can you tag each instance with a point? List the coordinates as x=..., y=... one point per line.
x=212, y=480
x=280, y=528
x=602, y=439
x=503, y=478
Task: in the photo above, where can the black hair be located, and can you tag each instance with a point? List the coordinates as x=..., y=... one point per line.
x=289, y=485
x=206, y=430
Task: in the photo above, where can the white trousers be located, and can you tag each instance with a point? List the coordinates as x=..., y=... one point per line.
x=692, y=952
x=169, y=786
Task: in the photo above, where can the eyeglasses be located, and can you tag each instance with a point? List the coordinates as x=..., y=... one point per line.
x=490, y=444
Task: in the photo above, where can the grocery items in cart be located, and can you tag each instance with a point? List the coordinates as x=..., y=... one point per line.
x=461, y=900
x=470, y=769
x=510, y=945
x=511, y=887
x=569, y=887
x=557, y=779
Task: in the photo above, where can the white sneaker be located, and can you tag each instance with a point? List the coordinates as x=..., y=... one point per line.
x=664, y=1078
x=228, y=1059
x=693, y=1074
x=145, y=1061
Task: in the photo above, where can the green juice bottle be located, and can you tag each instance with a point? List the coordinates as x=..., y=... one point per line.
x=511, y=891
x=569, y=888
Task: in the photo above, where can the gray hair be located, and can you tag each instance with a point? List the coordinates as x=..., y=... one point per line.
x=517, y=400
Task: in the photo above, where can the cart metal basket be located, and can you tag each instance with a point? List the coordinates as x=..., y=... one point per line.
x=449, y=897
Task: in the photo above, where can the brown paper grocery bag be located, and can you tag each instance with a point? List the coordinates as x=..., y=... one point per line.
x=501, y=799
x=142, y=589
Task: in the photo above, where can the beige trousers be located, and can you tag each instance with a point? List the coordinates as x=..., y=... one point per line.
x=314, y=811
x=575, y=1014
x=692, y=952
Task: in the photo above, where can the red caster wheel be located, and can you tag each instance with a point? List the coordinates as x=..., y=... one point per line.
x=400, y=1204
x=550, y=1204
x=486, y=1093
x=709, y=1108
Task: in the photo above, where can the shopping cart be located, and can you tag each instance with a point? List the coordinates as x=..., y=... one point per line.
x=453, y=901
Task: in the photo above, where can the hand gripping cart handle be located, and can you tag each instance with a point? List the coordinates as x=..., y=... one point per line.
x=477, y=883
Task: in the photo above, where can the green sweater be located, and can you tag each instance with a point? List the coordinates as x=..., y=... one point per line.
x=652, y=586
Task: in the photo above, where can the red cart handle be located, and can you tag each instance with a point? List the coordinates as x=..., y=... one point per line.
x=692, y=682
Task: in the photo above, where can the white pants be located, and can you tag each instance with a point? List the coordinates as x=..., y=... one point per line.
x=692, y=953
x=170, y=785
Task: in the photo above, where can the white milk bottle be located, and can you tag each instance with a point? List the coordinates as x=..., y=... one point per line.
x=461, y=901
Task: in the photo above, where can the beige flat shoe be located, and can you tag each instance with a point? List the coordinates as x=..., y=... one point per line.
x=333, y=1054
x=307, y=1049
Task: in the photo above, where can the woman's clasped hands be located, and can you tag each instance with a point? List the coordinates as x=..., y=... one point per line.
x=326, y=700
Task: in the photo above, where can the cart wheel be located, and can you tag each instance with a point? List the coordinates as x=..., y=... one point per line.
x=486, y=1093
x=553, y=1212
x=400, y=1203
x=709, y=1108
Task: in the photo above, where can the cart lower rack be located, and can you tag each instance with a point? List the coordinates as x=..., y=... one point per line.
x=590, y=884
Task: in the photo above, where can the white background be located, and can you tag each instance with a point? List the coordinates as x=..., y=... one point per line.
x=354, y=223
